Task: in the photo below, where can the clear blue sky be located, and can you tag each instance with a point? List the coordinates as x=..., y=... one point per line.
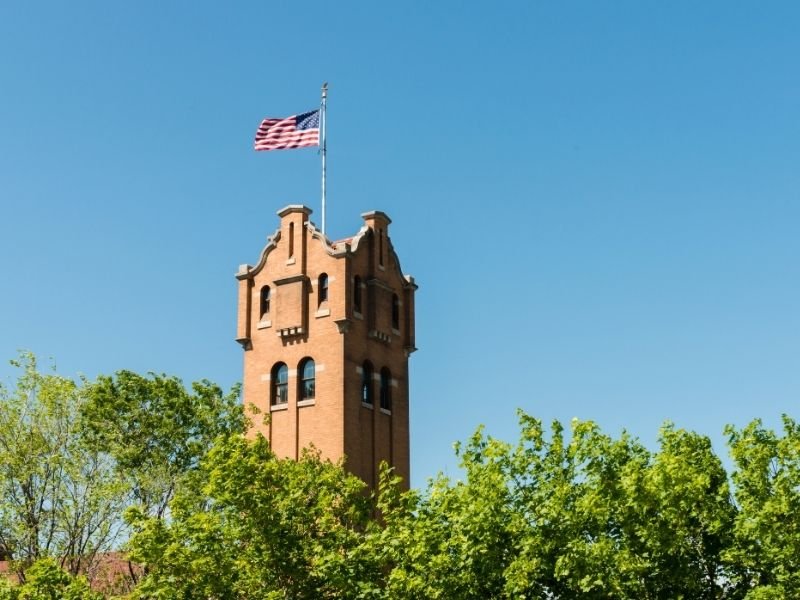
x=600, y=200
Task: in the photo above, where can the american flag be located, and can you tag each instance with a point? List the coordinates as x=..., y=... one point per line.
x=297, y=131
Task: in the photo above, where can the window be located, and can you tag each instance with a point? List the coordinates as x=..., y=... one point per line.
x=357, y=294
x=291, y=240
x=380, y=247
x=280, y=384
x=322, y=288
x=264, y=311
x=386, y=389
x=366, y=383
x=395, y=312
x=307, y=383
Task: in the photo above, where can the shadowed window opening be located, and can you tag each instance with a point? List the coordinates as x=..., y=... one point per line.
x=367, y=395
x=386, y=389
x=280, y=384
x=307, y=379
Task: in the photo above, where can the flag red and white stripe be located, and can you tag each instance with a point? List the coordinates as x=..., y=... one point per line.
x=297, y=131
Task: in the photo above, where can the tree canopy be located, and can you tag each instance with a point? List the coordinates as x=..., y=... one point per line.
x=163, y=472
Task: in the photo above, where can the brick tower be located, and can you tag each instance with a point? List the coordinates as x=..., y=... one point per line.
x=327, y=329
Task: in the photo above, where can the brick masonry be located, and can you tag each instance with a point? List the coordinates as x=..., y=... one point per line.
x=299, y=324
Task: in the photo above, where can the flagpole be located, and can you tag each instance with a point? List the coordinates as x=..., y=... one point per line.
x=323, y=143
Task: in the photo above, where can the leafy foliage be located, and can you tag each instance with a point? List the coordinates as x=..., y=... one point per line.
x=590, y=517
x=767, y=530
x=156, y=430
x=74, y=455
x=557, y=514
x=58, y=497
x=47, y=581
x=252, y=526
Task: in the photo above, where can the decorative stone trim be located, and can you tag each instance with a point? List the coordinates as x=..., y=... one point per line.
x=246, y=271
x=380, y=336
x=277, y=407
x=264, y=324
x=323, y=312
x=290, y=279
x=386, y=412
x=290, y=331
x=291, y=208
x=336, y=249
x=310, y=402
x=381, y=284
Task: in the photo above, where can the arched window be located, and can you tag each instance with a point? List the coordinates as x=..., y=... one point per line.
x=367, y=394
x=322, y=288
x=357, y=294
x=307, y=379
x=279, y=393
x=264, y=304
x=386, y=389
x=395, y=312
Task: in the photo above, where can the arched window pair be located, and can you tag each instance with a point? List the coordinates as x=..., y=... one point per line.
x=279, y=382
x=367, y=390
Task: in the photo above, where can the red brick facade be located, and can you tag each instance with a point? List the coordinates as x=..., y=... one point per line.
x=367, y=320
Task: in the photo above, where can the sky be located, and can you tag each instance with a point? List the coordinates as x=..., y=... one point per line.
x=600, y=201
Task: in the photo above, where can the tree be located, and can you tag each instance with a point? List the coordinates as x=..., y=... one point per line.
x=555, y=517
x=58, y=496
x=47, y=581
x=767, y=527
x=558, y=514
x=248, y=525
x=156, y=429
x=451, y=542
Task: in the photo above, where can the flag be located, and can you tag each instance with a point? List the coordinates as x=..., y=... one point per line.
x=297, y=131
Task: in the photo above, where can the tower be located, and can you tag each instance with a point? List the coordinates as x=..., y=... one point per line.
x=327, y=329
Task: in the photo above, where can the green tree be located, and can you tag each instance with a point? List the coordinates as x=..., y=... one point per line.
x=247, y=525
x=586, y=516
x=557, y=514
x=7, y=591
x=454, y=540
x=47, y=581
x=767, y=527
x=58, y=496
x=156, y=429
